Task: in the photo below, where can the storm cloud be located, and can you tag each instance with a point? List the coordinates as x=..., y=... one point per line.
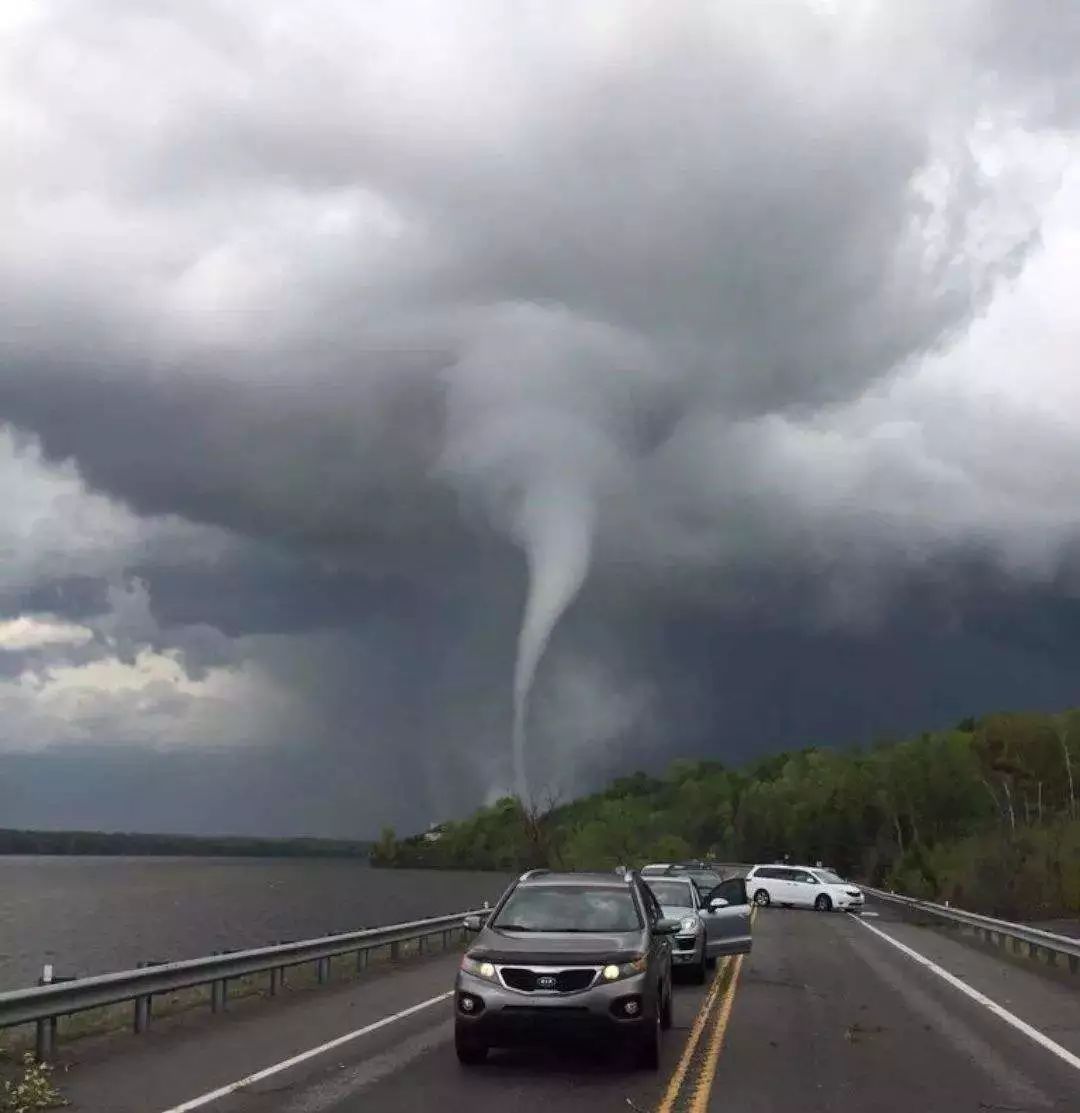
x=322, y=327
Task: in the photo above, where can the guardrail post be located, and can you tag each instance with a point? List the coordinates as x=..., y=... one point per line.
x=144, y=1005
x=218, y=995
x=1074, y=963
x=361, y=961
x=446, y=940
x=45, y=1034
x=323, y=971
x=45, y=1039
x=276, y=980
x=142, y=1014
x=395, y=951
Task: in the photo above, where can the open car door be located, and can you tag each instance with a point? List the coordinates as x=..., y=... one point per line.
x=726, y=915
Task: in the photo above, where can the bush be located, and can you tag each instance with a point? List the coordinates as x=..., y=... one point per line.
x=1034, y=875
x=31, y=1089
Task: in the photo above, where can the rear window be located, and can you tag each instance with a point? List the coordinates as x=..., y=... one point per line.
x=573, y=908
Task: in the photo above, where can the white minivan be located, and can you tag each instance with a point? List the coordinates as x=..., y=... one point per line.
x=803, y=887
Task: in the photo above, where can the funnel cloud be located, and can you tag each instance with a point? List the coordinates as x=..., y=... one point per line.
x=555, y=524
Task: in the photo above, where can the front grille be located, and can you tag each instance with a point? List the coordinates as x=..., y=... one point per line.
x=534, y=981
x=546, y=1011
x=853, y=892
x=685, y=944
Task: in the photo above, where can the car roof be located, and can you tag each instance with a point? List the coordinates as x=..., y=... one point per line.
x=580, y=880
x=790, y=866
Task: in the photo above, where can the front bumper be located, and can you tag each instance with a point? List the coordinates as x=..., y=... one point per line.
x=507, y=1016
x=848, y=903
x=688, y=950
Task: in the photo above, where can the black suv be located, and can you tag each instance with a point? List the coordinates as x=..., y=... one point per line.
x=567, y=954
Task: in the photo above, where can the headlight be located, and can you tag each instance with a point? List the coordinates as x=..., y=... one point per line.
x=613, y=972
x=480, y=967
x=690, y=924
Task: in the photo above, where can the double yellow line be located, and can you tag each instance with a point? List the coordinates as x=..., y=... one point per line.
x=691, y=1082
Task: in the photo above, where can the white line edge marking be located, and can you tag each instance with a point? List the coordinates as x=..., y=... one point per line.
x=285, y=1064
x=1062, y=1053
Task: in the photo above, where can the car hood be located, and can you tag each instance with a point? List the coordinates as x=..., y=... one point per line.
x=551, y=947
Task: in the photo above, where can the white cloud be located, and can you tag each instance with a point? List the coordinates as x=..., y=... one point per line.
x=150, y=701
x=29, y=632
x=53, y=527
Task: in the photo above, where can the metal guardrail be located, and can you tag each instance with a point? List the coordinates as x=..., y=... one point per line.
x=1040, y=944
x=43, y=1004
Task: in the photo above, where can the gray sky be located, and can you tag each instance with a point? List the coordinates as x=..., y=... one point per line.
x=320, y=323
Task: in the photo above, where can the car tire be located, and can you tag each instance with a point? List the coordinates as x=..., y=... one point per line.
x=697, y=973
x=823, y=903
x=647, y=1052
x=470, y=1051
x=762, y=899
x=665, y=1012
x=710, y=962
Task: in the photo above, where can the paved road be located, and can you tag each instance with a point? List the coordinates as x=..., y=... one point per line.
x=828, y=1014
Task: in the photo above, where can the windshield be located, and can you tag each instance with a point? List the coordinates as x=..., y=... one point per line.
x=704, y=879
x=569, y=908
x=672, y=893
x=830, y=878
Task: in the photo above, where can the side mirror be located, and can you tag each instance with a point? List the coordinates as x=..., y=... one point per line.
x=717, y=903
x=666, y=927
x=474, y=922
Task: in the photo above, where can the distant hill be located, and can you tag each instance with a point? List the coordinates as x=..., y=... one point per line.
x=125, y=843
x=986, y=815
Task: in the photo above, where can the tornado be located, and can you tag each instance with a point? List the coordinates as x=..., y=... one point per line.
x=555, y=527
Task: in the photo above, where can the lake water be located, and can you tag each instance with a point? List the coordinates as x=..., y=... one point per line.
x=92, y=915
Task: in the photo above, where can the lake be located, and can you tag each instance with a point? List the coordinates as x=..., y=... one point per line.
x=92, y=915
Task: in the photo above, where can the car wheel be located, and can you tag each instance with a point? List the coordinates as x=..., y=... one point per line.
x=665, y=1012
x=710, y=962
x=823, y=904
x=470, y=1050
x=648, y=1049
x=761, y=898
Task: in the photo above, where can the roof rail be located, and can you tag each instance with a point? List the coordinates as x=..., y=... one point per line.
x=532, y=873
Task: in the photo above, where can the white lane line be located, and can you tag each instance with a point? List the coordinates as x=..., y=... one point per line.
x=285, y=1064
x=1042, y=1040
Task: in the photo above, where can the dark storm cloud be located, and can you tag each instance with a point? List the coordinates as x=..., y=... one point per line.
x=389, y=294
x=700, y=218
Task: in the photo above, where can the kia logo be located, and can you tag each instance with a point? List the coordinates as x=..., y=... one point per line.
x=546, y=982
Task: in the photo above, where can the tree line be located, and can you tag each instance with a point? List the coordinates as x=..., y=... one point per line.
x=986, y=814
x=121, y=843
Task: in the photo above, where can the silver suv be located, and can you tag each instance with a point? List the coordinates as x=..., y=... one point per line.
x=717, y=923
x=567, y=954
